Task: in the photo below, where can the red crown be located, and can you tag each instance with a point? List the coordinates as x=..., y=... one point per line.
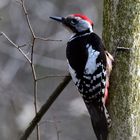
x=83, y=17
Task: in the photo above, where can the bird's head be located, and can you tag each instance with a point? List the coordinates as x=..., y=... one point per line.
x=77, y=23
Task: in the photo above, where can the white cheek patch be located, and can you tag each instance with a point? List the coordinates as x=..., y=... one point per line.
x=91, y=65
x=83, y=26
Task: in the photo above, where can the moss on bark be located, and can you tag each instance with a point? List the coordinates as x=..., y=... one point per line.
x=122, y=29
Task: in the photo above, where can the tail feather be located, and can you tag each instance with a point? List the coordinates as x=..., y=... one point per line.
x=99, y=120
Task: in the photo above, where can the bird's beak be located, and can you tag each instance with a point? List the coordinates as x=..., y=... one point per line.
x=59, y=19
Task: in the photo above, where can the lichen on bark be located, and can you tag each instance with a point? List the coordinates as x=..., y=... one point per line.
x=122, y=29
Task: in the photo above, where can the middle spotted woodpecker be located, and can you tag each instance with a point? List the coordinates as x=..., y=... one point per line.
x=90, y=66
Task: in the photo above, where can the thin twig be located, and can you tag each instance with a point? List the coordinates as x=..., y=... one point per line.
x=21, y=46
x=119, y=49
x=35, y=85
x=16, y=46
x=45, y=108
x=123, y=49
x=27, y=18
x=32, y=50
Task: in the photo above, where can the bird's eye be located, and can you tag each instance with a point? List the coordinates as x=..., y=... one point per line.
x=74, y=21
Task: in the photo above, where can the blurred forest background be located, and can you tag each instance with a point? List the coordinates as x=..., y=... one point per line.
x=68, y=116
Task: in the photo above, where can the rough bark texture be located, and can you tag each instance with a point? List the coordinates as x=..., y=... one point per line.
x=122, y=29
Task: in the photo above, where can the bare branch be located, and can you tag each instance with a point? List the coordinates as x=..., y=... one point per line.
x=32, y=64
x=45, y=107
x=30, y=26
x=21, y=46
x=27, y=18
x=16, y=46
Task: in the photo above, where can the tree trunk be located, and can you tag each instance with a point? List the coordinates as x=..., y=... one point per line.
x=122, y=29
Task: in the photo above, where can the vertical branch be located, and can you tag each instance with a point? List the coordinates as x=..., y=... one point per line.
x=32, y=63
x=35, y=81
x=35, y=85
x=27, y=18
x=34, y=75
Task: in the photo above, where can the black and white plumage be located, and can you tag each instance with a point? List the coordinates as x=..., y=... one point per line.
x=90, y=66
x=89, y=69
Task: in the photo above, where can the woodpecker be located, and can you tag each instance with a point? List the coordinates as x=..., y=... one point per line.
x=90, y=66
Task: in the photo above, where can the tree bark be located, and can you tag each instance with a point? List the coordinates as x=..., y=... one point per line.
x=121, y=23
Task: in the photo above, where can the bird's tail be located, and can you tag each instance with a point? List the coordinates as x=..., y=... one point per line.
x=100, y=120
